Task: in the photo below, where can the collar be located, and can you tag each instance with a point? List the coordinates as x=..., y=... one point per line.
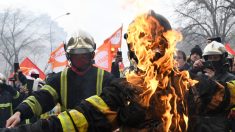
x=80, y=73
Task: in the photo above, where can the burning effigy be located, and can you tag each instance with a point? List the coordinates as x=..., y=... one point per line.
x=161, y=87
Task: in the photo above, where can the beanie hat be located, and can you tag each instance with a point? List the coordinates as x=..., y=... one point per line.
x=196, y=49
x=217, y=39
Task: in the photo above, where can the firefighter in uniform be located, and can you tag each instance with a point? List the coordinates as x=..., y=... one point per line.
x=210, y=110
x=69, y=87
x=119, y=104
x=9, y=99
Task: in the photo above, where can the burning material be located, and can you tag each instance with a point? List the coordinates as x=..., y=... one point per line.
x=163, y=88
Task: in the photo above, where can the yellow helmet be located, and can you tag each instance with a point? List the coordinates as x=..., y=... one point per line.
x=81, y=42
x=214, y=48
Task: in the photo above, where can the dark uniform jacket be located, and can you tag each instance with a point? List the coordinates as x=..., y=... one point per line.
x=8, y=101
x=78, y=88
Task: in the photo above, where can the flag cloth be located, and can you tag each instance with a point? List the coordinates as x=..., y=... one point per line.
x=229, y=49
x=27, y=67
x=116, y=39
x=107, y=51
x=103, y=58
x=58, y=59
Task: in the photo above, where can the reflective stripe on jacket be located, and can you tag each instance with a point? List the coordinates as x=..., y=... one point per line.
x=64, y=84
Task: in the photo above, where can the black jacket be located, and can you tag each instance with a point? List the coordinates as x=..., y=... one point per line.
x=79, y=87
x=9, y=99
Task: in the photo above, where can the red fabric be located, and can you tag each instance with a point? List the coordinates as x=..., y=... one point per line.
x=58, y=58
x=116, y=39
x=27, y=66
x=107, y=51
x=229, y=49
x=103, y=58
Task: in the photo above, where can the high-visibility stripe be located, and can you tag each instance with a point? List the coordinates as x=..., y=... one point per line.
x=79, y=120
x=34, y=105
x=52, y=92
x=17, y=95
x=27, y=121
x=98, y=103
x=66, y=122
x=5, y=105
x=99, y=81
x=231, y=88
x=63, y=89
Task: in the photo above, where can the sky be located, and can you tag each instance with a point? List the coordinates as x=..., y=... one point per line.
x=101, y=18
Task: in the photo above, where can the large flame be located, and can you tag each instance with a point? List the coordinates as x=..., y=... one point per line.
x=146, y=37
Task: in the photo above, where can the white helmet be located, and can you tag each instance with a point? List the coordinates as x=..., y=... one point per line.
x=81, y=42
x=214, y=48
x=2, y=78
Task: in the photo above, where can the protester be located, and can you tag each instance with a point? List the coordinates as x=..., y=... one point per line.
x=195, y=54
x=180, y=58
x=70, y=86
x=214, y=67
x=115, y=70
x=125, y=102
x=233, y=67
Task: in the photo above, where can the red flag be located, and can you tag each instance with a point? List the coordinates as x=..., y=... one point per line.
x=106, y=52
x=27, y=67
x=229, y=49
x=58, y=59
x=103, y=58
x=116, y=39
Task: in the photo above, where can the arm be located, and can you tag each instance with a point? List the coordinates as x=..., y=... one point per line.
x=39, y=102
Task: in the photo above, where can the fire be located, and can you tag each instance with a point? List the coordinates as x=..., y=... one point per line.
x=154, y=47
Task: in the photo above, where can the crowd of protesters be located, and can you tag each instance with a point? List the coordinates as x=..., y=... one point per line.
x=81, y=80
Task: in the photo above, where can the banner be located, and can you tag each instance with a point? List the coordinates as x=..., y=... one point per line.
x=116, y=39
x=58, y=59
x=229, y=49
x=28, y=67
x=107, y=51
x=103, y=58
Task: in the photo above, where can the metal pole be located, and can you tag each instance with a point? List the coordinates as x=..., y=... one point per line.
x=51, y=26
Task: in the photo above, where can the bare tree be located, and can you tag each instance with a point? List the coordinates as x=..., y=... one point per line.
x=18, y=32
x=206, y=18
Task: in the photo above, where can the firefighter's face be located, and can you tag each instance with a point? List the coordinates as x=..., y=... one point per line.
x=82, y=61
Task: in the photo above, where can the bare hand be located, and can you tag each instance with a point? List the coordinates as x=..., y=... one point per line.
x=209, y=72
x=198, y=64
x=13, y=120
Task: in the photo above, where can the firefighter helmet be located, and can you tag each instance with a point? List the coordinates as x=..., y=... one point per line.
x=214, y=48
x=80, y=42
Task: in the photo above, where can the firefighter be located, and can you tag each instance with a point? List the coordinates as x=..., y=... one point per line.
x=79, y=81
x=122, y=103
x=218, y=101
x=9, y=98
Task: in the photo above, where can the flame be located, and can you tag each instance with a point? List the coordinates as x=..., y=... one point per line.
x=147, y=39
